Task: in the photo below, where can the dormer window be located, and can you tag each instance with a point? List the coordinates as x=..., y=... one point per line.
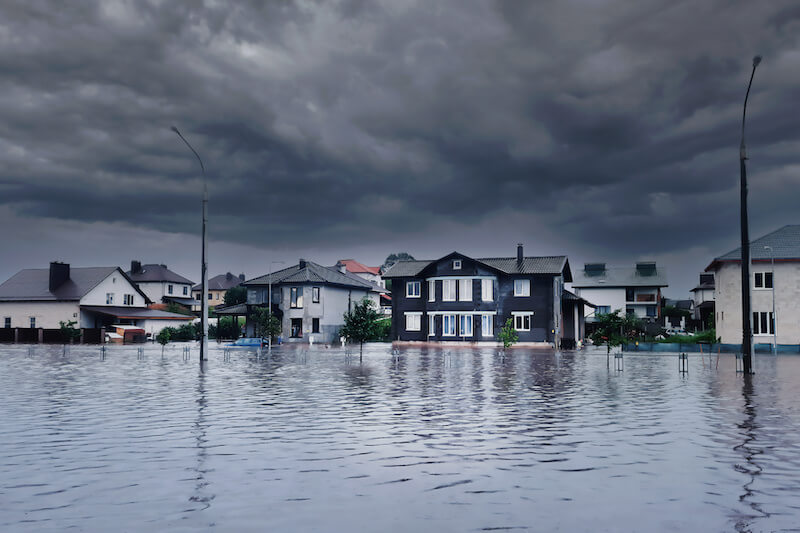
x=457, y=264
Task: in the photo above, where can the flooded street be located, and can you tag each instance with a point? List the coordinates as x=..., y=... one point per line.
x=452, y=439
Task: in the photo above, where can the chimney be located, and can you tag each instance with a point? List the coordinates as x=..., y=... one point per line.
x=59, y=274
x=302, y=264
x=163, y=266
x=136, y=267
x=341, y=266
x=241, y=277
x=519, y=254
x=228, y=276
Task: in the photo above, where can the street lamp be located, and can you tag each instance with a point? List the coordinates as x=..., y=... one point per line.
x=774, y=316
x=747, y=338
x=204, y=258
x=269, y=303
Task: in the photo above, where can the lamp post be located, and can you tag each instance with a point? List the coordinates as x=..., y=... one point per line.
x=774, y=315
x=747, y=337
x=269, y=303
x=204, y=258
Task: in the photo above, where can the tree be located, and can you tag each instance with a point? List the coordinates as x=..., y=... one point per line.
x=266, y=325
x=69, y=331
x=361, y=324
x=163, y=338
x=394, y=258
x=177, y=308
x=508, y=335
x=614, y=330
x=235, y=295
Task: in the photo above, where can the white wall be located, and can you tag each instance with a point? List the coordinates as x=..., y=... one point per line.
x=728, y=297
x=154, y=327
x=613, y=297
x=156, y=290
x=48, y=314
x=117, y=284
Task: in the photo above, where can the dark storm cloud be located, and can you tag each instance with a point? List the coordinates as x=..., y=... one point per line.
x=354, y=121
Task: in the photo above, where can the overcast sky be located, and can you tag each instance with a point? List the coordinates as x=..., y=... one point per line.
x=603, y=130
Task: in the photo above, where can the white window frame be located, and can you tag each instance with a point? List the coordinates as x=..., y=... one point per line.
x=315, y=295
x=127, y=299
x=487, y=326
x=6, y=322
x=465, y=324
x=487, y=290
x=431, y=290
x=109, y=298
x=413, y=289
x=449, y=332
x=431, y=325
x=457, y=264
x=763, y=285
x=169, y=289
x=465, y=295
x=757, y=323
x=413, y=321
x=298, y=298
x=522, y=287
x=33, y=322
x=521, y=316
x=449, y=295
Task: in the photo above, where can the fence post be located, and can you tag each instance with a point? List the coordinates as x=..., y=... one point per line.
x=80, y=341
x=102, y=335
x=41, y=335
x=16, y=335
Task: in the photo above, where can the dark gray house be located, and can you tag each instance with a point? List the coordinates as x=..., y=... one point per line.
x=459, y=298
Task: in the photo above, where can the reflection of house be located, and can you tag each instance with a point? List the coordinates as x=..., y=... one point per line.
x=703, y=297
x=782, y=246
x=310, y=299
x=161, y=284
x=635, y=290
x=217, y=287
x=93, y=297
x=458, y=298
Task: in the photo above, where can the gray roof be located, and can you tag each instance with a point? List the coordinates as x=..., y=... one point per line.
x=220, y=283
x=237, y=309
x=620, y=277
x=530, y=265
x=314, y=273
x=785, y=243
x=703, y=287
x=570, y=296
x=33, y=284
x=135, y=312
x=157, y=273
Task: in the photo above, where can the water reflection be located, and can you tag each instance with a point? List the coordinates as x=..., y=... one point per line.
x=201, y=494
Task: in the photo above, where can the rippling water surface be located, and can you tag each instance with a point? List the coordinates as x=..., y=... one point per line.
x=431, y=440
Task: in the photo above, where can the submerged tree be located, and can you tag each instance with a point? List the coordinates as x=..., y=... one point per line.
x=614, y=330
x=266, y=325
x=163, y=338
x=508, y=335
x=69, y=331
x=361, y=324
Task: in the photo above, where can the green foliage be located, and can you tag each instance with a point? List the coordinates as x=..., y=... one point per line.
x=177, y=308
x=394, y=258
x=384, y=329
x=226, y=328
x=266, y=325
x=186, y=332
x=235, y=295
x=69, y=331
x=508, y=335
x=614, y=330
x=164, y=336
x=361, y=324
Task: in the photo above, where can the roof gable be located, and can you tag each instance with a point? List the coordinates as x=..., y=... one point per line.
x=157, y=273
x=550, y=265
x=33, y=284
x=783, y=245
x=313, y=273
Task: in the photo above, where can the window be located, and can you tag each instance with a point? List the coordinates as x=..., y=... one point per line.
x=169, y=289
x=487, y=326
x=185, y=291
x=602, y=310
x=431, y=291
x=651, y=311
x=465, y=325
x=412, y=289
x=763, y=324
x=457, y=264
x=127, y=299
x=109, y=298
x=297, y=326
x=431, y=325
x=413, y=321
x=487, y=290
x=315, y=295
x=465, y=290
x=522, y=322
x=7, y=321
x=763, y=280
x=251, y=296
x=210, y=295
x=33, y=322
x=296, y=300
x=449, y=290
x=315, y=325
x=448, y=325
x=522, y=287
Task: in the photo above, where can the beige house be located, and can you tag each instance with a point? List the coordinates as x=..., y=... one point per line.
x=774, y=280
x=217, y=287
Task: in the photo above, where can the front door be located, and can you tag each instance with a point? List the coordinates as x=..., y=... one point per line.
x=297, y=327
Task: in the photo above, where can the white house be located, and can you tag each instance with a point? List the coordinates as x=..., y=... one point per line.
x=703, y=297
x=634, y=290
x=161, y=284
x=774, y=277
x=92, y=297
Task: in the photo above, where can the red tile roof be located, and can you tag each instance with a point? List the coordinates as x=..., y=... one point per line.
x=357, y=268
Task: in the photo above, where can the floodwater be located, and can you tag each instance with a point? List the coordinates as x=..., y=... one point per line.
x=452, y=439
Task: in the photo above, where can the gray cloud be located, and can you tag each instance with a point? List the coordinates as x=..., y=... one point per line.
x=613, y=125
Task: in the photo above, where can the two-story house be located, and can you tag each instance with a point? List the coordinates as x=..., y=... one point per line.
x=703, y=297
x=460, y=298
x=774, y=283
x=217, y=287
x=632, y=290
x=161, y=284
x=309, y=299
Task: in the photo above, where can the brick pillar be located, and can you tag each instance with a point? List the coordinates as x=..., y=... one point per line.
x=80, y=340
x=41, y=335
x=102, y=335
x=16, y=335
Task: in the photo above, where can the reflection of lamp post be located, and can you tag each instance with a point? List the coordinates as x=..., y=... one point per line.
x=204, y=259
x=747, y=339
x=774, y=316
x=269, y=303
